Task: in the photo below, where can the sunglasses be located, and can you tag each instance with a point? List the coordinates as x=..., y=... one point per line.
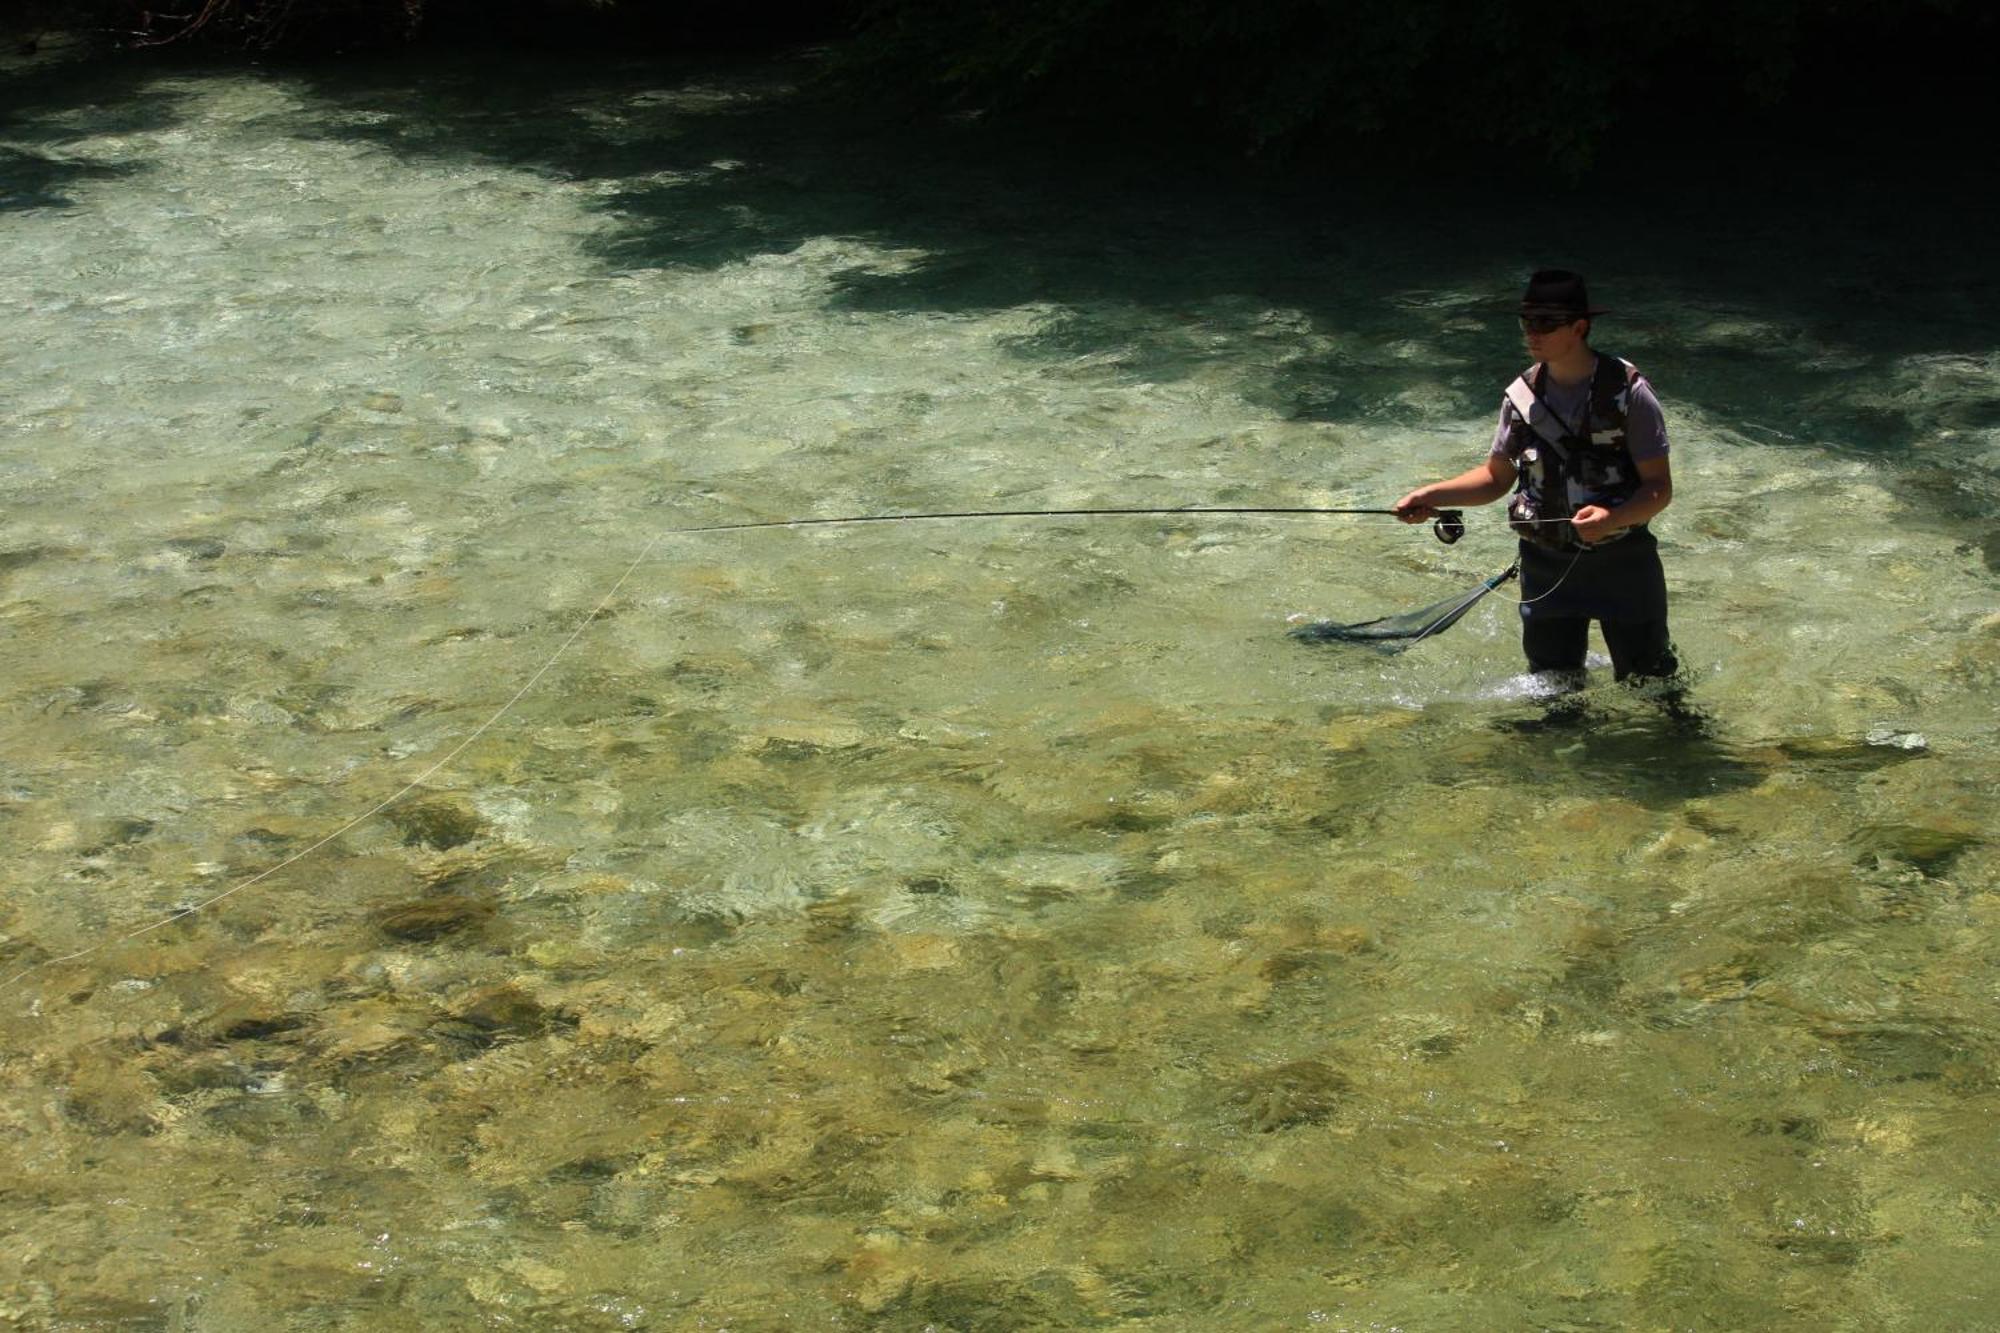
x=1547, y=323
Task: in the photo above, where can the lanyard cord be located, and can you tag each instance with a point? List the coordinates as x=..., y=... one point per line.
x=1551, y=589
x=1569, y=432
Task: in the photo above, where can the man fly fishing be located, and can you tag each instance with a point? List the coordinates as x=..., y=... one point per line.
x=1583, y=446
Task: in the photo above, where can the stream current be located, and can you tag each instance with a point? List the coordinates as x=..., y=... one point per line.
x=969, y=926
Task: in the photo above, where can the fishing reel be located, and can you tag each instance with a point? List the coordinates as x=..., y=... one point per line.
x=1449, y=525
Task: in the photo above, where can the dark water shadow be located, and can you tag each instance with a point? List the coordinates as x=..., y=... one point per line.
x=1769, y=292
x=1759, y=287
x=1663, y=751
x=1655, y=758
x=43, y=107
x=38, y=180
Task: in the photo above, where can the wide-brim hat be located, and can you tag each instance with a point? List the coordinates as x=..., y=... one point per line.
x=1557, y=291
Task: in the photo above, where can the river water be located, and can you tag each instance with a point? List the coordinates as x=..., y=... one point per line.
x=979, y=925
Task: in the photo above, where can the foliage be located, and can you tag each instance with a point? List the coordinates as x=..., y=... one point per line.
x=1289, y=76
x=311, y=29
x=1550, y=84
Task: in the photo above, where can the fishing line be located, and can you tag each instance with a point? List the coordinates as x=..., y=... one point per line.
x=1448, y=525
x=373, y=810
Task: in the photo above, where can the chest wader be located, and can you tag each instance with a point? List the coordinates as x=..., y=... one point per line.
x=1561, y=467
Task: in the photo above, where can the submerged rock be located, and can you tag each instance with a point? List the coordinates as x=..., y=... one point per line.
x=1930, y=847
x=440, y=823
x=1721, y=982
x=1299, y=1092
x=197, y=548
x=20, y=557
x=479, y=873
x=180, y=1073
x=503, y=1009
x=432, y=918
x=804, y=739
x=108, y=1090
x=369, y=1029
x=1880, y=748
x=249, y=1019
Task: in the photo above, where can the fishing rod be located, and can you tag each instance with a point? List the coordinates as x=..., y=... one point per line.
x=1448, y=526
x=1391, y=632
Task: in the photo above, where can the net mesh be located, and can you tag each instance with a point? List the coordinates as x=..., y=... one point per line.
x=1395, y=633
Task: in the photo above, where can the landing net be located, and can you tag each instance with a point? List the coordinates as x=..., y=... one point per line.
x=1395, y=633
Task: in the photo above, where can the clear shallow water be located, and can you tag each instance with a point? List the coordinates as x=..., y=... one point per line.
x=971, y=926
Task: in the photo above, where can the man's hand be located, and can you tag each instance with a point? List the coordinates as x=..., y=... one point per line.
x=1593, y=523
x=1416, y=506
x=1489, y=481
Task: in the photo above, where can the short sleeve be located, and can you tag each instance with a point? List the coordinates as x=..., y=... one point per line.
x=1499, y=448
x=1645, y=424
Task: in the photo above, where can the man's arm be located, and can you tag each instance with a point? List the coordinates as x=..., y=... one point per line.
x=1481, y=485
x=1656, y=491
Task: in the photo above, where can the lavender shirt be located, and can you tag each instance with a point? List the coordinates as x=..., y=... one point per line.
x=1645, y=426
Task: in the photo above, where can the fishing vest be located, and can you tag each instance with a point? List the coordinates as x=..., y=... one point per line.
x=1562, y=466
